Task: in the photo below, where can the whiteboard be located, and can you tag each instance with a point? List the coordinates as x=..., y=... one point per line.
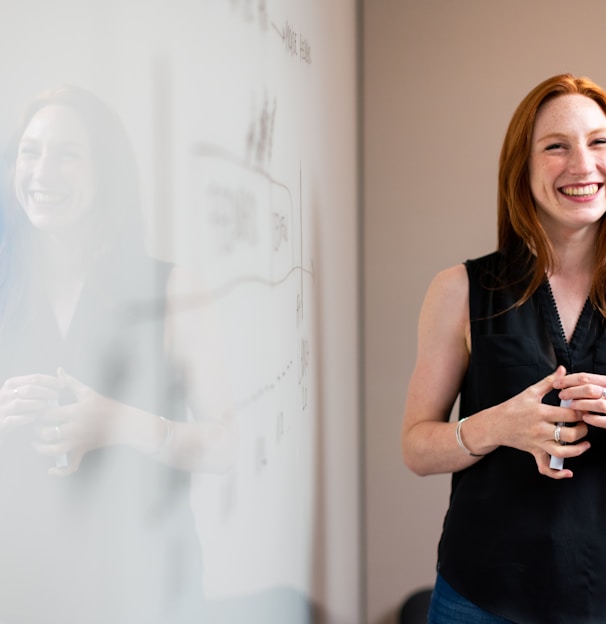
x=243, y=116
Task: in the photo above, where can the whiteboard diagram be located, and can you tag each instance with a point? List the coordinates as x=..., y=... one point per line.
x=243, y=223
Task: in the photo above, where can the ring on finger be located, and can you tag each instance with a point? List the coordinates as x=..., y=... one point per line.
x=556, y=434
x=603, y=397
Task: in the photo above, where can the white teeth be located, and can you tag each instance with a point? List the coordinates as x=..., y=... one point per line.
x=47, y=197
x=580, y=191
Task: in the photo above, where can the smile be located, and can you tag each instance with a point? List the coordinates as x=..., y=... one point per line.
x=47, y=197
x=587, y=190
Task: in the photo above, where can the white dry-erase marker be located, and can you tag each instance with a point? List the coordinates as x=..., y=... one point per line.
x=557, y=463
x=61, y=461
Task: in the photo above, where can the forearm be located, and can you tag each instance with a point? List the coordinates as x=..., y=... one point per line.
x=432, y=447
x=205, y=446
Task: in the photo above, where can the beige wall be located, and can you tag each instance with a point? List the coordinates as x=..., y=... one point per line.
x=441, y=80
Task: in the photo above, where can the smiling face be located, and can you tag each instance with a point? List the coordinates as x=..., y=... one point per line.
x=567, y=163
x=54, y=180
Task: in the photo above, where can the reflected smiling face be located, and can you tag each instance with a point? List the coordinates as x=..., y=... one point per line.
x=54, y=180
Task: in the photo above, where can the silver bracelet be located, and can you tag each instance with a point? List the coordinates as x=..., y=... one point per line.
x=169, y=434
x=460, y=441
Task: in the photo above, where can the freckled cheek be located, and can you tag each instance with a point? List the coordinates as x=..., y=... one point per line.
x=538, y=186
x=543, y=180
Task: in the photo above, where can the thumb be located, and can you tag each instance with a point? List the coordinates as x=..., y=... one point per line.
x=545, y=385
x=75, y=458
x=71, y=383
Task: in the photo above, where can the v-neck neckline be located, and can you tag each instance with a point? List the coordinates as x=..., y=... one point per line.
x=565, y=349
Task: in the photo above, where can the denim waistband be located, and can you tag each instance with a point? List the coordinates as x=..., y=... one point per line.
x=449, y=607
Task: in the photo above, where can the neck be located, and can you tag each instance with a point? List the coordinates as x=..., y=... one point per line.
x=575, y=254
x=59, y=256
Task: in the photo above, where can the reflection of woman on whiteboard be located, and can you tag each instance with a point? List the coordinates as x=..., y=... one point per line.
x=96, y=441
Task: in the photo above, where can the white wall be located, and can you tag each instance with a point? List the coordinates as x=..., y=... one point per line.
x=441, y=80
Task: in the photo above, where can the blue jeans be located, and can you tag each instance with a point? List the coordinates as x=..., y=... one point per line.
x=449, y=607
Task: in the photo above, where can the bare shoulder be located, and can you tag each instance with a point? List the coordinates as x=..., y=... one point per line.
x=442, y=348
x=449, y=287
x=445, y=311
x=454, y=278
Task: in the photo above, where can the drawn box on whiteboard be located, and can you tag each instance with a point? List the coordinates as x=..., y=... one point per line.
x=240, y=222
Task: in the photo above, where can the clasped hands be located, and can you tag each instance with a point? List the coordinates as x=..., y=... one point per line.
x=65, y=432
x=532, y=425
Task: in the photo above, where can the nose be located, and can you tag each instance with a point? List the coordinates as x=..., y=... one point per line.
x=46, y=166
x=581, y=162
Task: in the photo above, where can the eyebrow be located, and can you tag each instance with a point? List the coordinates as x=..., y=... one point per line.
x=58, y=143
x=563, y=135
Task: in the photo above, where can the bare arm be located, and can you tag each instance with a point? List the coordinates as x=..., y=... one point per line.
x=429, y=443
x=205, y=443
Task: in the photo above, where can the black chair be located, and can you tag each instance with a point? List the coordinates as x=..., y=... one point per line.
x=415, y=608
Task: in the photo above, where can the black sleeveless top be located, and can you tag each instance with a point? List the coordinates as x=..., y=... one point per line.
x=114, y=542
x=514, y=542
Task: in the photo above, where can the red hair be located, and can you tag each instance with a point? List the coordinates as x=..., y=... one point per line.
x=518, y=223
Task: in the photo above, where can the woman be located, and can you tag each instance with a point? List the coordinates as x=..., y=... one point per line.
x=523, y=541
x=96, y=443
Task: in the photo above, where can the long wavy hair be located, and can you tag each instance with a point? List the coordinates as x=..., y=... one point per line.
x=519, y=228
x=117, y=219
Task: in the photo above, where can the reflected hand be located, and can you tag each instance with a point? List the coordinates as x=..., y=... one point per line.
x=25, y=398
x=77, y=428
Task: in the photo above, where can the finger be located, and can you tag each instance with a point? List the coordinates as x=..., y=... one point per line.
x=71, y=383
x=556, y=414
x=53, y=440
x=588, y=391
x=547, y=384
x=50, y=449
x=63, y=470
x=30, y=391
x=542, y=461
x=60, y=415
x=580, y=379
x=32, y=407
x=569, y=434
x=14, y=422
x=595, y=393
x=38, y=380
x=596, y=420
x=566, y=451
x=51, y=435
